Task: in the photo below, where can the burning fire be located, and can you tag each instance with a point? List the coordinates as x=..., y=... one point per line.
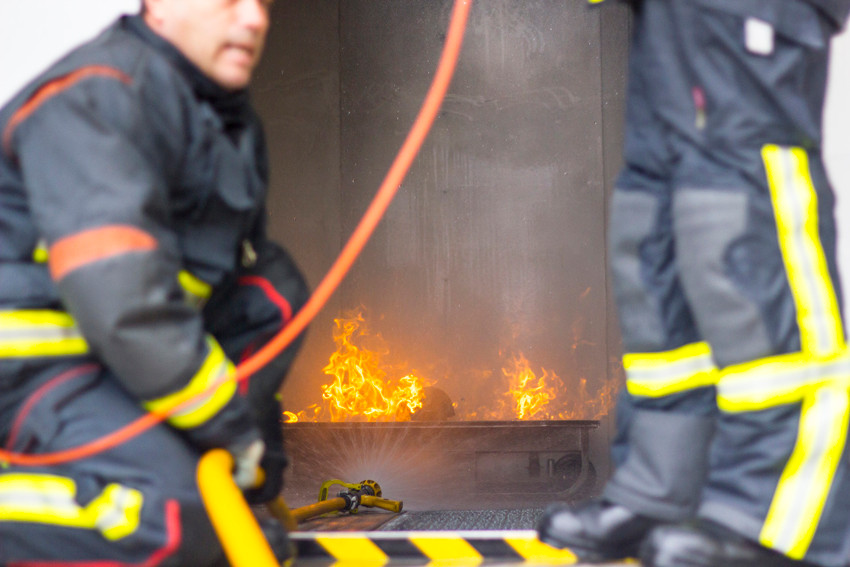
x=530, y=394
x=362, y=389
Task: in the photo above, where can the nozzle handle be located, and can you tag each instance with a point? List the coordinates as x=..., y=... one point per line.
x=319, y=508
x=383, y=503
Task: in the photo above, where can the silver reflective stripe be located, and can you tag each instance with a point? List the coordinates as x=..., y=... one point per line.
x=45, y=332
x=675, y=371
x=766, y=382
x=39, y=332
x=805, y=484
x=796, y=193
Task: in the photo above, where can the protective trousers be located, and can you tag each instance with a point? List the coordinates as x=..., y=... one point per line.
x=722, y=251
x=138, y=503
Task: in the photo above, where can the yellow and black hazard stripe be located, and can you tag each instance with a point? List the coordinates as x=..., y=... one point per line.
x=459, y=548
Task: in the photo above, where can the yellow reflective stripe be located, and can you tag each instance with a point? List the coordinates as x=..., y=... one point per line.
x=40, y=253
x=197, y=291
x=658, y=374
x=39, y=332
x=778, y=380
x=49, y=499
x=805, y=483
x=796, y=211
x=209, y=390
x=117, y=511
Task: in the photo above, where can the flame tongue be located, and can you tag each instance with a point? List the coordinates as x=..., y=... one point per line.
x=360, y=390
x=531, y=395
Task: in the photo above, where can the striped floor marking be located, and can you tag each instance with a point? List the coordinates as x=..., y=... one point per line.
x=458, y=548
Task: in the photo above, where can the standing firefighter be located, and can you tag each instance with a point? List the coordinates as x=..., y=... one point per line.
x=135, y=267
x=723, y=256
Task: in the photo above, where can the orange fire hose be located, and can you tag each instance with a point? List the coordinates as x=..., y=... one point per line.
x=329, y=283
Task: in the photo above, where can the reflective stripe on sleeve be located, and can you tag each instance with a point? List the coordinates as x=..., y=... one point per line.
x=795, y=207
x=39, y=332
x=83, y=248
x=659, y=374
x=196, y=291
x=51, y=89
x=205, y=395
x=49, y=499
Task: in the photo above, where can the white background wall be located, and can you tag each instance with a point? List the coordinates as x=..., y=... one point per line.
x=33, y=33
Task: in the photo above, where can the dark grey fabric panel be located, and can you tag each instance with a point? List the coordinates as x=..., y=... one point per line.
x=666, y=465
x=706, y=224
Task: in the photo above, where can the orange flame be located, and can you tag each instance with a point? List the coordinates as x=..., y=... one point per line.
x=361, y=390
x=530, y=394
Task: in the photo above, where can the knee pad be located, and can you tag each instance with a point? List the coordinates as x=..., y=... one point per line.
x=731, y=269
x=652, y=309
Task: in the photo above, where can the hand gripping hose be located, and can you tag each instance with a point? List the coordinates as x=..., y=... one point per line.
x=350, y=252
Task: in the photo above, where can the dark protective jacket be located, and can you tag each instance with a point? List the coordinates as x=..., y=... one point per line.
x=836, y=10
x=131, y=189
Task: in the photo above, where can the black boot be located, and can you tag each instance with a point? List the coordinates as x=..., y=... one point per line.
x=706, y=544
x=596, y=531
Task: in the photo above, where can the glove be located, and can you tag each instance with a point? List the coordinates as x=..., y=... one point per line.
x=246, y=463
x=274, y=460
x=273, y=463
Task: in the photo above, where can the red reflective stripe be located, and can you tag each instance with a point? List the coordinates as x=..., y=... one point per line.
x=173, y=539
x=271, y=293
x=89, y=246
x=54, y=87
x=278, y=300
x=173, y=532
x=36, y=396
x=246, y=354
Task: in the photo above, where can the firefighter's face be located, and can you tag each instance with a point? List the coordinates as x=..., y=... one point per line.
x=224, y=38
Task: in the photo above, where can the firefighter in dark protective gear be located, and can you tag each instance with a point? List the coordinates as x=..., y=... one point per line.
x=731, y=444
x=136, y=271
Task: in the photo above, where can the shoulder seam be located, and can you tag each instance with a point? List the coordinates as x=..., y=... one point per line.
x=52, y=88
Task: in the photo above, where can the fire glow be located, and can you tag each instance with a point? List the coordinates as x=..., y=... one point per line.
x=364, y=387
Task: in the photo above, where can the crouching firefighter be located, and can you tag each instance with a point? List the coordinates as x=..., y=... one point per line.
x=732, y=444
x=135, y=271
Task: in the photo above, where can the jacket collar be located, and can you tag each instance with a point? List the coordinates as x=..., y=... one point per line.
x=230, y=105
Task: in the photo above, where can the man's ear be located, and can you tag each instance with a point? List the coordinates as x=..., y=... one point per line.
x=152, y=10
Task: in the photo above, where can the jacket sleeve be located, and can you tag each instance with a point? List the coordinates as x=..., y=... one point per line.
x=97, y=163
